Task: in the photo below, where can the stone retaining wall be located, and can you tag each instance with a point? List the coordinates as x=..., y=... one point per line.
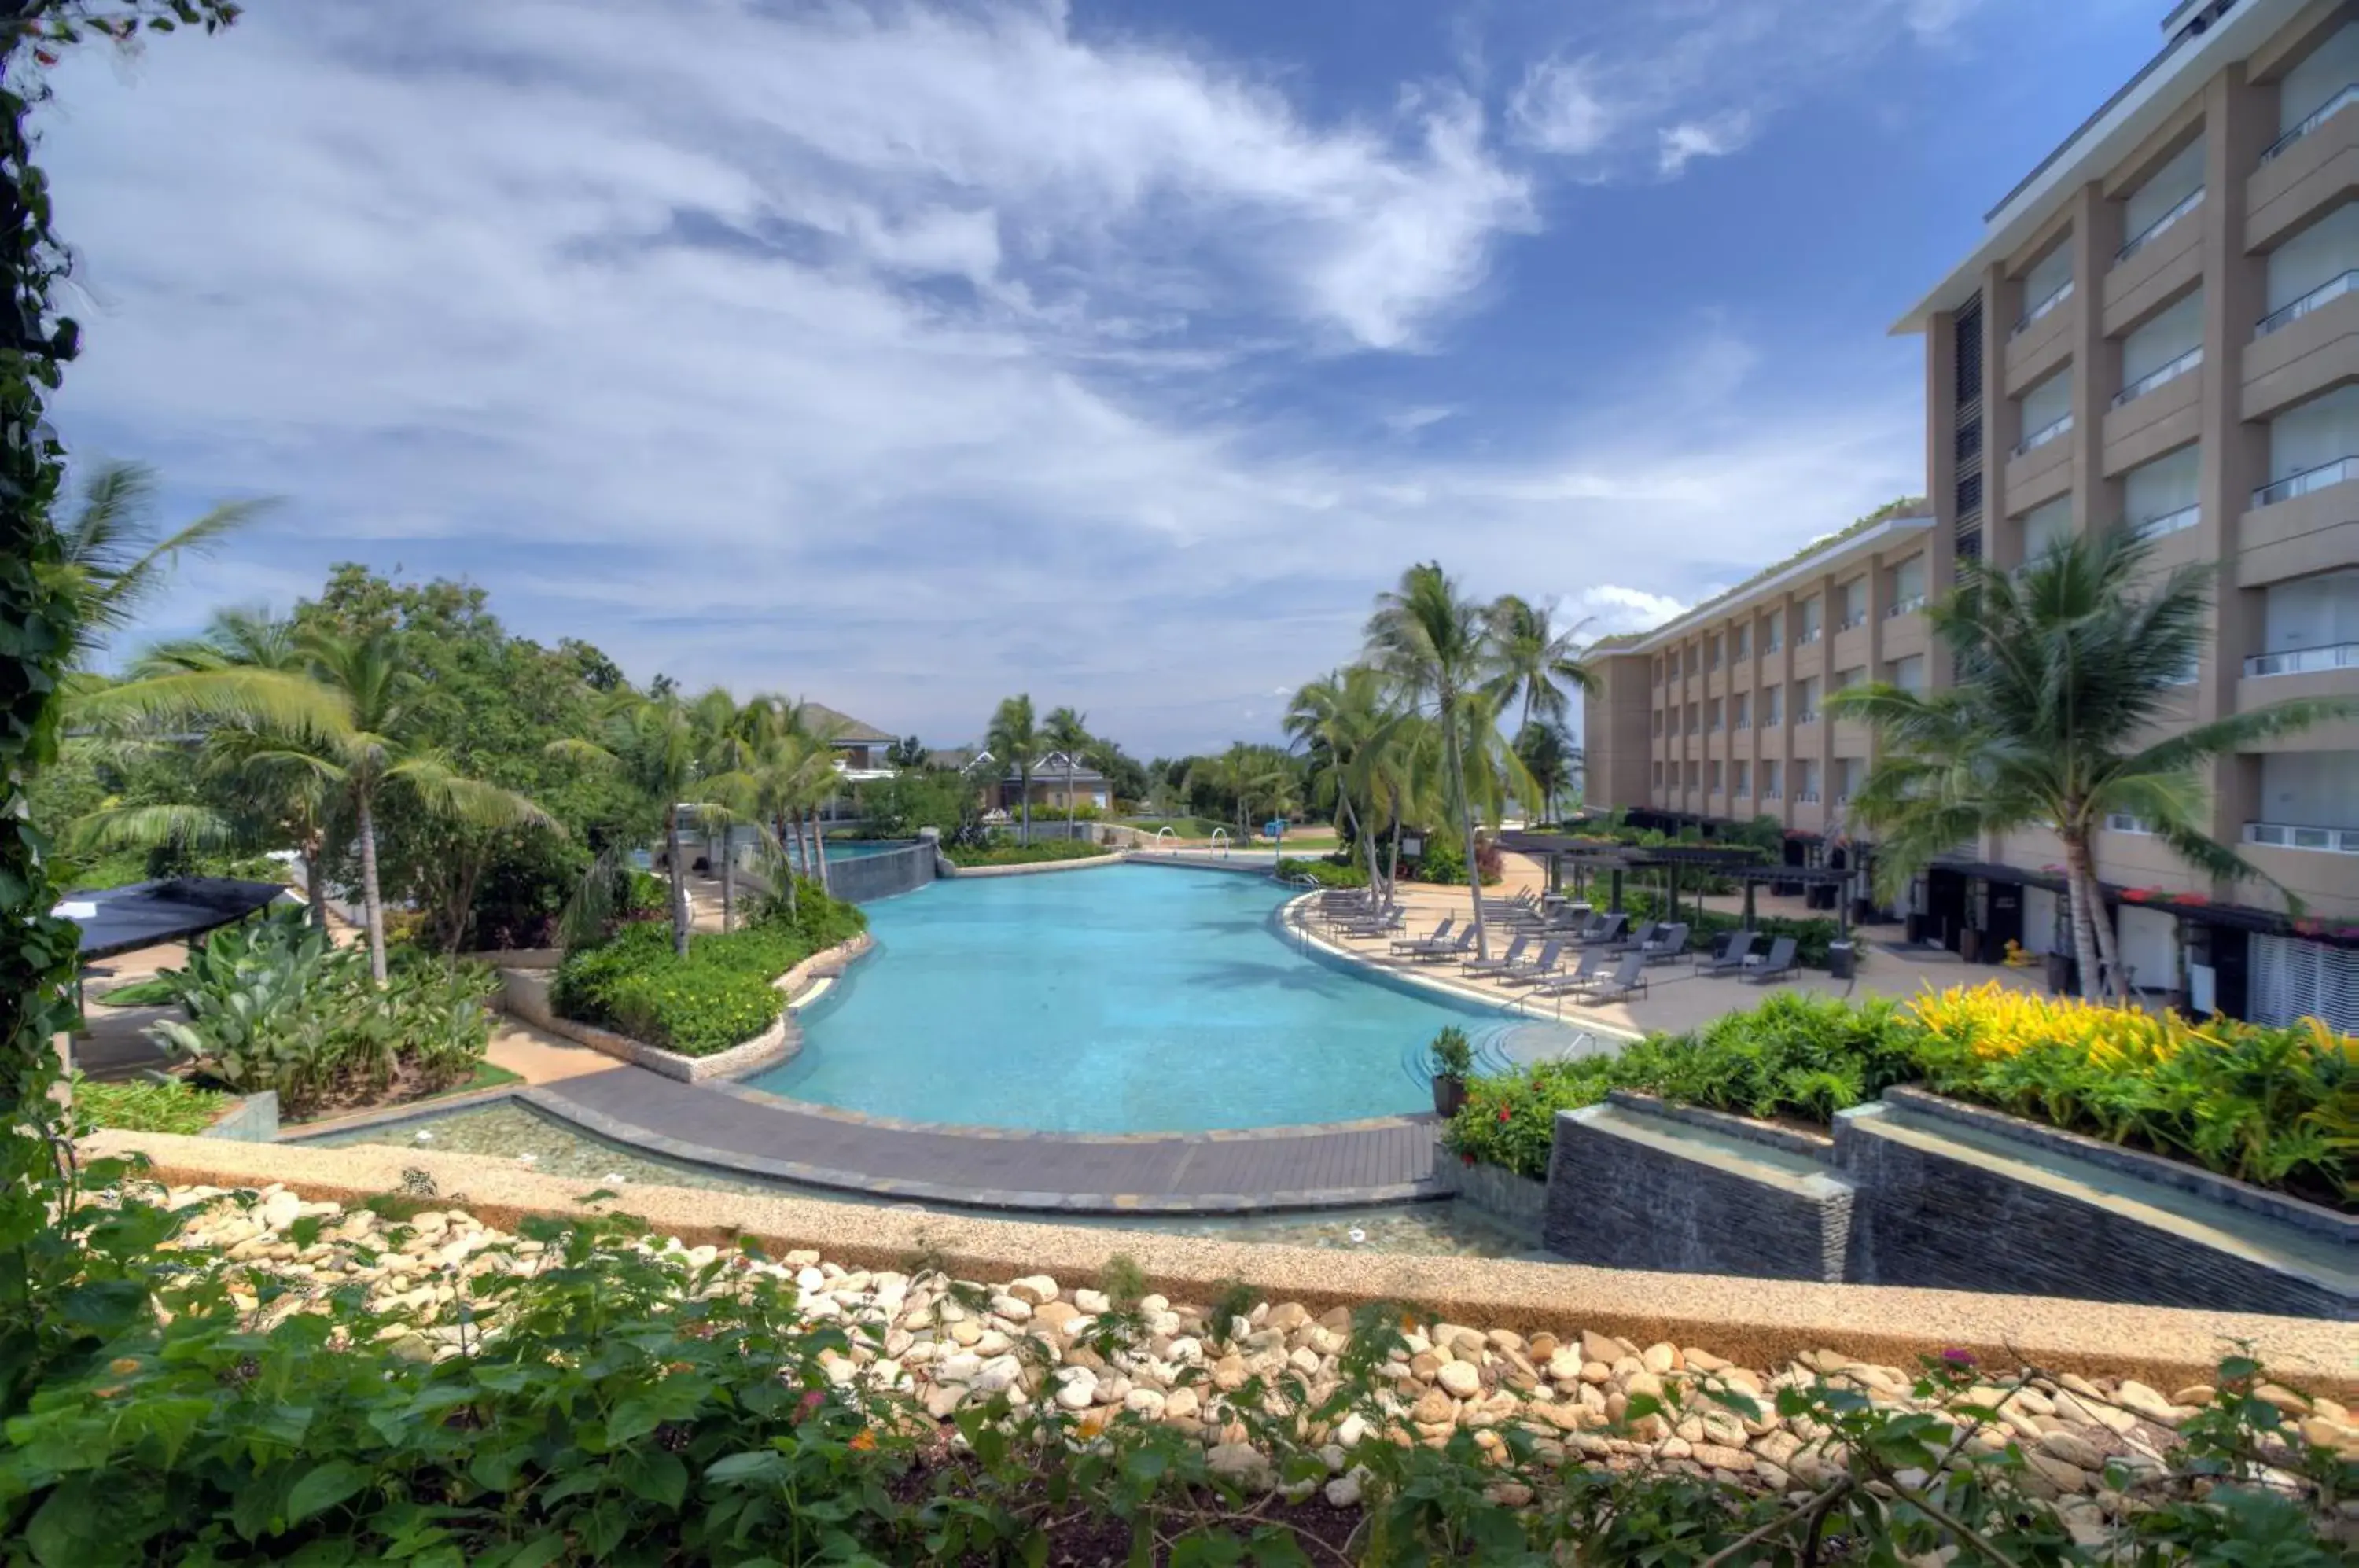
x=1516, y=1202
x=1039, y=867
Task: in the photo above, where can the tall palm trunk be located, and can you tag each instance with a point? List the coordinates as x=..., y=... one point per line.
x=314, y=882
x=1467, y=826
x=2108, y=949
x=819, y=851
x=372, y=903
x=728, y=883
x=783, y=842
x=2081, y=882
x=1070, y=815
x=1025, y=778
x=1392, y=859
x=679, y=873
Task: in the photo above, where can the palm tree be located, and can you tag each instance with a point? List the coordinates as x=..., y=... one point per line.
x=1535, y=660
x=1344, y=722
x=1438, y=649
x=1066, y=730
x=654, y=742
x=114, y=558
x=1013, y=740
x=1547, y=755
x=2065, y=673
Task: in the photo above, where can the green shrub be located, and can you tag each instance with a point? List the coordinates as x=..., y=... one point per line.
x=175, y=1107
x=717, y=996
x=1001, y=853
x=1328, y=872
x=1797, y=1056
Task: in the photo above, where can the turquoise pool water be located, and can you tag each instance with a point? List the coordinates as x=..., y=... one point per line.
x=1129, y=999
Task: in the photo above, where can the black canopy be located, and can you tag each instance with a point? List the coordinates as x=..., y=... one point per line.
x=146, y=913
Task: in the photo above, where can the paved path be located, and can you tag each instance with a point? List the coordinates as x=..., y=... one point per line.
x=1389, y=1161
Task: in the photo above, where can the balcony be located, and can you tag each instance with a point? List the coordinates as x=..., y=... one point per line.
x=2324, y=294
x=1807, y=638
x=2304, y=660
x=1809, y=716
x=2159, y=376
x=1742, y=724
x=2288, y=835
x=2023, y=322
x=2341, y=99
x=2054, y=430
x=2160, y=226
x=2169, y=523
x=1853, y=621
x=1771, y=793
x=2307, y=480
x=2124, y=822
x=1900, y=608
x=1806, y=797
x=1772, y=647
x=2303, y=175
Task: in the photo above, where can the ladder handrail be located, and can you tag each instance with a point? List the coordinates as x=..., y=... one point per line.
x=1175, y=837
x=1221, y=841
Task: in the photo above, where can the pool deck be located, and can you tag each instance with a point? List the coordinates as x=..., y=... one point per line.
x=731, y=1128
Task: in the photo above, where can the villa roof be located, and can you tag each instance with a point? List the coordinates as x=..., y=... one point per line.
x=957, y=758
x=1051, y=767
x=849, y=731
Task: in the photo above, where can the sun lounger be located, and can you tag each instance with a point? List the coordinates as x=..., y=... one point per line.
x=1628, y=980
x=1639, y=940
x=1603, y=930
x=1374, y=922
x=1669, y=943
x=1581, y=978
x=1776, y=966
x=1437, y=952
x=1497, y=962
x=1438, y=933
x=1538, y=968
x=1730, y=958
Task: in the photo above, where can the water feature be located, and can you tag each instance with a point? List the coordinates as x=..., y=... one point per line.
x=1125, y=999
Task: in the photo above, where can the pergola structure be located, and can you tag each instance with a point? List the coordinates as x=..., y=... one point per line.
x=1837, y=877
x=1614, y=861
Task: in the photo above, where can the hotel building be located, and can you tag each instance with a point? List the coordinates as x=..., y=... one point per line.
x=2159, y=326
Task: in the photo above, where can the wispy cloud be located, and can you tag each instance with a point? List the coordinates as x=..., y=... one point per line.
x=1647, y=90
x=891, y=354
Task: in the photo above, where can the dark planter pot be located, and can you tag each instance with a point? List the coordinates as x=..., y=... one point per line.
x=1969, y=946
x=1914, y=929
x=1448, y=1094
x=1843, y=960
x=2059, y=974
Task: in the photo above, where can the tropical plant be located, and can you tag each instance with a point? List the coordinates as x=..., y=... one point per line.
x=1343, y=722
x=2066, y=673
x=1438, y=647
x=1067, y=731
x=654, y=742
x=1014, y=741
x=1536, y=662
x=1547, y=754
x=905, y=754
x=115, y=557
x=172, y=1105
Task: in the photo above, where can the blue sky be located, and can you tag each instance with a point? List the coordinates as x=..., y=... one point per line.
x=905, y=355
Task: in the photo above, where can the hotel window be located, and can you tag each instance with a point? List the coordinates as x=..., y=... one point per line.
x=1743, y=779
x=1744, y=635
x=1770, y=770
x=1693, y=769
x=1659, y=720
x=1850, y=774
x=1806, y=701
x=2315, y=268
x=1855, y=603
x=1811, y=623
x=1711, y=715
x=2313, y=445
x=1711, y=777
x=1658, y=775
x=2156, y=205
x=2158, y=498
x=2046, y=412
x=1806, y=781
x=1771, y=633
x=1742, y=710
x=2318, y=80
x=1692, y=718
x=1908, y=586
x=2166, y=348
x=2045, y=284
x=1773, y=707
x=1909, y=673
x=1711, y=653
x=2044, y=526
x=1659, y=672
x=1846, y=679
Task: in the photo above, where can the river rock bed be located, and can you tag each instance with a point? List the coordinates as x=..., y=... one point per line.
x=946, y=1344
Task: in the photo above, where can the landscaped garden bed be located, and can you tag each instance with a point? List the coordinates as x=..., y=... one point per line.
x=2272, y=1106
x=973, y=856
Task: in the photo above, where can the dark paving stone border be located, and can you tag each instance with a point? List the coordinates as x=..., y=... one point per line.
x=728, y=1128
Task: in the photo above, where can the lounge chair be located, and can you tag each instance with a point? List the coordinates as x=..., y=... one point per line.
x=1438, y=933
x=1630, y=979
x=1637, y=941
x=1670, y=943
x=1584, y=976
x=1538, y=969
x=1493, y=966
x=1442, y=952
x=1603, y=931
x=1776, y=966
x=1375, y=922
x=1731, y=957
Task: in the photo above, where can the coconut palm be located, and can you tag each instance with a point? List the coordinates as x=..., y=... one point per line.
x=114, y=558
x=1535, y=661
x=2065, y=674
x=1014, y=741
x=1438, y=649
x=653, y=742
x=1344, y=722
x=1547, y=755
x=1067, y=731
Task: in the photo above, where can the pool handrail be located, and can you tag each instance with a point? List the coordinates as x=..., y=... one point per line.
x=1167, y=828
x=1220, y=842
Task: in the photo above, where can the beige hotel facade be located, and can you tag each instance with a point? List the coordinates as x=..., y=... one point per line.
x=2159, y=327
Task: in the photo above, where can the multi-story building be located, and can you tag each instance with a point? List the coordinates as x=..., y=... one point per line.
x=2159, y=327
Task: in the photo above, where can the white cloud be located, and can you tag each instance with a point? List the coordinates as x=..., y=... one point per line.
x=1646, y=90
x=775, y=349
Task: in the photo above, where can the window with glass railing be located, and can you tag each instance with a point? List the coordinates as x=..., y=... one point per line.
x=1741, y=715
x=1743, y=779
x=2309, y=624
x=2166, y=196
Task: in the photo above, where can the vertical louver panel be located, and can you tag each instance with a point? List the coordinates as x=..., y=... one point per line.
x=1969, y=340
x=2292, y=979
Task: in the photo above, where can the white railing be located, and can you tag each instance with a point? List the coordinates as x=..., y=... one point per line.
x=2305, y=660
x=1742, y=723
x=2169, y=523
x=1771, y=793
x=2325, y=293
x=1808, y=717
x=1807, y=638
x=1774, y=646
x=1854, y=619
x=1806, y=797
x=2125, y=822
x=2159, y=375
x=2152, y=232
x=2342, y=99
x=2062, y=292
x=1903, y=606
x=2053, y=430
x=2288, y=835
x=2308, y=480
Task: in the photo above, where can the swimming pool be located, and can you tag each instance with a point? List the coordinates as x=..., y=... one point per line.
x=1132, y=998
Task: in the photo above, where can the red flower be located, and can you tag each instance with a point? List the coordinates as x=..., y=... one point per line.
x=1504, y=1112
x=1467, y=1159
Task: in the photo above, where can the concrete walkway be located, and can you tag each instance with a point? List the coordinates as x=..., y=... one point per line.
x=735, y=1128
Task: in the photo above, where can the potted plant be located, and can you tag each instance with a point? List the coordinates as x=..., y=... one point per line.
x=1453, y=1058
